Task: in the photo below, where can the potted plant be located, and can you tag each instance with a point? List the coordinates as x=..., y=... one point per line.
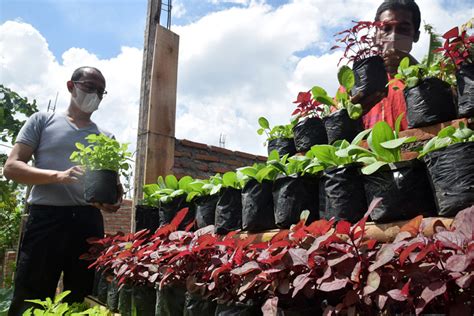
x=279, y=138
x=345, y=122
x=205, y=195
x=308, y=127
x=448, y=157
x=402, y=185
x=363, y=49
x=459, y=48
x=104, y=159
x=229, y=206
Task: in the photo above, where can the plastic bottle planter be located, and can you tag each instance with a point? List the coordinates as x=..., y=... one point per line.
x=168, y=211
x=197, y=306
x=405, y=189
x=342, y=194
x=308, y=133
x=340, y=126
x=170, y=300
x=465, y=83
x=100, y=186
x=370, y=76
x=206, y=210
x=147, y=217
x=257, y=206
x=430, y=102
x=292, y=195
x=283, y=146
x=228, y=211
x=451, y=171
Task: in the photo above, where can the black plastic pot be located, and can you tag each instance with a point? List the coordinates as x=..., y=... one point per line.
x=340, y=126
x=292, y=195
x=144, y=300
x=113, y=296
x=283, y=146
x=125, y=301
x=430, y=102
x=451, y=171
x=405, y=191
x=147, y=217
x=308, y=133
x=100, y=186
x=206, y=210
x=257, y=206
x=228, y=211
x=169, y=210
x=370, y=76
x=170, y=301
x=102, y=288
x=197, y=306
x=238, y=310
x=342, y=194
x=465, y=83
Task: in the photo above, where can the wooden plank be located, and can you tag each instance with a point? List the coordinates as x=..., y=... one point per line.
x=162, y=108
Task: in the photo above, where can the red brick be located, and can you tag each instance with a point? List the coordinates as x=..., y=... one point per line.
x=236, y=163
x=189, y=143
x=203, y=167
x=182, y=154
x=207, y=158
x=245, y=155
x=218, y=169
x=262, y=158
x=221, y=150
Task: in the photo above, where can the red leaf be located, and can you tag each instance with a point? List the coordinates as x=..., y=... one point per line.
x=189, y=226
x=319, y=227
x=454, y=240
x=406, y=288
x=327, y=274
x=179, y=217
x=397, y=295
x=384, y=256
x=371, y=243
x=451, y=33
x=372, y=284
x=408, y=250
x=270, y=308
x=355, y=275
x=429, y=293
x=246, y=268
x=333, y=285
x=381, y=300
x=425, y=251
x=246, y=241
x=283, y=234
x=300, y=282
x=343, y=227
x=464, y=222
x=458, y=263
x=298, y=256
x=238, y=256
x=413, y=226
x=465, y=281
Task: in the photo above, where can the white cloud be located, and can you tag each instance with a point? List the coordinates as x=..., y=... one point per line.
x=178, y=10
x=243, y=2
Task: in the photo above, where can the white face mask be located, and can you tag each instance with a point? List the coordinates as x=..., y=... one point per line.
x=396, y=41
x=86, y=102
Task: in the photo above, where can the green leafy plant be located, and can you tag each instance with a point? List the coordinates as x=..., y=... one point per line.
x=166, y=189
x=346, y=79
x=448, y=136
x=295, y=165
x=204, y=187
x=278, y=131
x=103, y=153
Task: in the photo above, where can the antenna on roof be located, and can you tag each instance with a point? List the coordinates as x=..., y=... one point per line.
x=53, y=107
x=222, y=140
x=166, y=6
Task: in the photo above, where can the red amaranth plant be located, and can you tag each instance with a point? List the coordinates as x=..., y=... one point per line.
x=359, y=42
x=307, y=106
x=458, y=46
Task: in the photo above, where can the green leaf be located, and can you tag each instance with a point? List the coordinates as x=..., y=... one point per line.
x=171, y=182
x=278, y=166
x=448, y=131
x=346, y=78
x=191, y=196
x=229, y=179
x=216, y=189
x=368, y=170
x=354, y=110
x=411, y=82
x=273, y=155
x=398, y=122
x=324, y=99
x=360, y=136
x=318, y=91
x=398, y=142
x=161, y=182
x=404, y=63
x=266, y=173
x=184, y=182
x=463, y=132
x=263, y=122
x=326, y=154
x=248, y=171
x=381, y=132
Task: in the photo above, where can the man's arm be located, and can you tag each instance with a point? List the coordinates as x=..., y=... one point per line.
x=17, y=169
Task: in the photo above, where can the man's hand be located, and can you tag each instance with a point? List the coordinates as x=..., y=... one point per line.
x=111, y=208
x=392, y=58
x=70, y=175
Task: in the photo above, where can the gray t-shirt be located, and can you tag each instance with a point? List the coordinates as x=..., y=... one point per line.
x=53, y=138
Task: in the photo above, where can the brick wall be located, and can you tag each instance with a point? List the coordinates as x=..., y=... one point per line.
x=119, y=221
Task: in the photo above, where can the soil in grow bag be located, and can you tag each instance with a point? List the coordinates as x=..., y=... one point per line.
x=308, y=133
x=451, y=171
x=292, y=195
x=343, y=195
x=370, y=76
x=147, y=217
x=100, y=186
x=170, y=300
x=430, y=102
x=144, y=300
x=228, y=211
x=283, y=146
x=169, y=210
x=340, y=126
x=206, y=210
x=125, y=301
x=405, y=191
x=257, y=206
x=465, y=83
x=197, y=306
x=238, y=310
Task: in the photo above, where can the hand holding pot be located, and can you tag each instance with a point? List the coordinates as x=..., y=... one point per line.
x=111, y=208
x=70, y=175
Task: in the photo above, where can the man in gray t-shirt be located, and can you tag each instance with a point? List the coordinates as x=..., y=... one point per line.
x=59, y=220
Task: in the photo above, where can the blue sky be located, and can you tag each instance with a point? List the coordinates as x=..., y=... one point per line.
x=239, y=59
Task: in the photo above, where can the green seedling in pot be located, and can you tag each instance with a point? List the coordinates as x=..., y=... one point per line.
x=165, y=190
x=448, y=136
x=278, y=131
x=259, y=171
x=295, y=165
x=204, y=187
x=346, y=79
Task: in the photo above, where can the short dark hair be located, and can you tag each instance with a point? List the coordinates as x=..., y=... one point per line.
x=80, y=72
x=407, y=5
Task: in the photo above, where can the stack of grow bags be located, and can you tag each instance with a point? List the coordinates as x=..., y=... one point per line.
x=308, y=133
x=206, y=210
x=257, y=206
x=340, y=126
x=283, y=146
x=465, y=83
x=228, y=211
x=147, y=217
x=197, y=306
x=168, y=211
x=170, y=300
x=143, y=300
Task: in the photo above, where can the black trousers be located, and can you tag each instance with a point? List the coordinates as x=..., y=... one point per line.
x=53, y=240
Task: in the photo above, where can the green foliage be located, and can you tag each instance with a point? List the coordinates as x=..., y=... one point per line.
x=6, y=295
x=166, y=189
x=448, y=136
x=205, y=187
x=259, y=172
x=278, y=131
x=295, y=165
x=103, y=153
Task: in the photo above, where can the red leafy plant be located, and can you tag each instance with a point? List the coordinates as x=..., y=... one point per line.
x=330, y=265
x=359, y=41
x=458, y=46
x=307, y=106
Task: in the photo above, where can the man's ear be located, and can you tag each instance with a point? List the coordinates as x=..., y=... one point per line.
x=70, y=85
x=416, y=37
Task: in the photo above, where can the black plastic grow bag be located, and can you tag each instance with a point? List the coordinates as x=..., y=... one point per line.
x=451, y=171
x=197, y=306
x=342, y=194
x=125, y=301
x=430, y=102
x=144, y=300
x=257, y=206
x=238, y=310
x=170, y=301
x=308, y=133
x=206, y=210
x=292, y=195
x=465, y=83
x=147, y=217
x=405, y=191
x=283, y=146
x=370, y=76
x=340, y=126
x=113, y=296
x=169, y=210
x=228, y=211
x=100, y=186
